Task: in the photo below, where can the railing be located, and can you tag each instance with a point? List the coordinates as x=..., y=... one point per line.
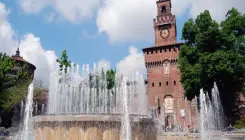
x=160, y=20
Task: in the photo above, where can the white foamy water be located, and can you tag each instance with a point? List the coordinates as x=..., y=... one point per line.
x=26, y=132
x=211, y=114
x=84, y=91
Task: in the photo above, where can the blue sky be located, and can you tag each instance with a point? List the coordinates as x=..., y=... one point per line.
x=81, y=40
x=92, y=30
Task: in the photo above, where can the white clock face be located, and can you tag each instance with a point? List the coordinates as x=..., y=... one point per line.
x=164, y=33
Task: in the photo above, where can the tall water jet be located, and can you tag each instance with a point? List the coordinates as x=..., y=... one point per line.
x=217, y=108
x=86, y=99
x=87, y=93
x=203, y=114
x=211, y=113
x=28, y=114
x=126, y=127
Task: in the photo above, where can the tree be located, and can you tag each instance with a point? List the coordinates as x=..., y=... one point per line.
x=94, y=79
x=13, y=86
x=214, y=52
x=63, y=61
x=6, y=64
x=110, y=78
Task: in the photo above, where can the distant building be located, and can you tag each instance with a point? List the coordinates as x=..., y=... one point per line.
x=164, y=89
x=21, y=63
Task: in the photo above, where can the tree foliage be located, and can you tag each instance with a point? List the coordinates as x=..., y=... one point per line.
x=63, y=61
x=240, y=123
x=13, y=95
x=13, y=85
x=97, y=80
x=214, y=52
x=110, y=77
x=6, y=64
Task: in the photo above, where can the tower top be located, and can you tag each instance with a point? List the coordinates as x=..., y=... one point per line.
x=164, y=24
x=18, y=49
x=17, y=52
x=161, y=1
x=164, y=7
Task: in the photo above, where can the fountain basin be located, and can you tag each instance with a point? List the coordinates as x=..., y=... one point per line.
x=91, y=127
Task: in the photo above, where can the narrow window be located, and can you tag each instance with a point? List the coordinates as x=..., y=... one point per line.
x=160, y=84
x=164, y=10
x=152, y=84
x=167, y=83
x=174, y=82
x=159, y=107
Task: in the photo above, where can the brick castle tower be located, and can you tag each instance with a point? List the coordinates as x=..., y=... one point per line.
x=165, y=92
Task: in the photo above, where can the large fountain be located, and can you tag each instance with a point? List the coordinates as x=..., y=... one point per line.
x=81, y=106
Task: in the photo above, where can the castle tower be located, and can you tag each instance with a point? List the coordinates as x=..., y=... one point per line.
x=164, y=24
x=164, y=89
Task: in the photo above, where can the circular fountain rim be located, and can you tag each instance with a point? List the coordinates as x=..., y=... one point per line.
x=87, y=118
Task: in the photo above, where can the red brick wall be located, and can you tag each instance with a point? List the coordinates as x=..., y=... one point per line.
x=167, y=50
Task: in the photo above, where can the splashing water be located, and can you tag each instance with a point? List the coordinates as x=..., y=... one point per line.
x=126, y=128
x=86, y=92
x=25, y=130
x=211, y=113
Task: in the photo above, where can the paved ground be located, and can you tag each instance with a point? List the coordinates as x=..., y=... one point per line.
x=195, y=136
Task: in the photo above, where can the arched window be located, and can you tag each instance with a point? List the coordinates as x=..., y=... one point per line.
x=164, y=10
x=167, y=83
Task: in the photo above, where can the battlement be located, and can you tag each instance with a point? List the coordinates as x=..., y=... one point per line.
x=163, y=20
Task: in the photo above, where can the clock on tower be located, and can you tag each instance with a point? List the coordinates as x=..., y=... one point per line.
x=164, y=24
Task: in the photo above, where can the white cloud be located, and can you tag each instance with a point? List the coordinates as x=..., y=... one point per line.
x=33, y=6
x=134, y=62
x=30, y=47
x=32, y=51
x=132, y=19
x=72, y=10
x=124, y=20
x=6, y=32
x=217, y=8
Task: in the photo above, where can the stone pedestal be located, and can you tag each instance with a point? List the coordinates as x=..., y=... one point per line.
x=91, y=127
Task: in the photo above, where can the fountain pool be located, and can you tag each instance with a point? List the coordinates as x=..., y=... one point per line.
x=81, y=106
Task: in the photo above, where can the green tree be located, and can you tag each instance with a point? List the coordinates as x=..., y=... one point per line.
x=6, y=64
x=63, y=61
x=110, y=78
x=14, y=82
x=214, y=52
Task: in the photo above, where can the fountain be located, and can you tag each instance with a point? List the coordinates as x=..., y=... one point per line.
x=81, y=106
x=211, y=113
